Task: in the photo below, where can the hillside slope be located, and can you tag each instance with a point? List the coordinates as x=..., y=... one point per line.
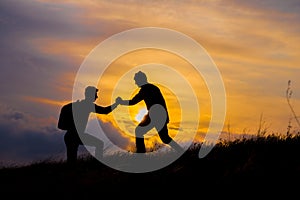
x=265, y=164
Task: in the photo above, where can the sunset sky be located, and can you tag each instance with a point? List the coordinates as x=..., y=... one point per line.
x=44, y=43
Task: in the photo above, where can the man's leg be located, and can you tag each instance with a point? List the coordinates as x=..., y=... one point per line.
x=139, y=140
x=71, y=148
x=91, y=140
x=140, y=131
x=164, y=136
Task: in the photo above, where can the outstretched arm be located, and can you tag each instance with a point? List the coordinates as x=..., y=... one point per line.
x=119, y=100
x=107, y=109
x=137, y=98
x=114, y=105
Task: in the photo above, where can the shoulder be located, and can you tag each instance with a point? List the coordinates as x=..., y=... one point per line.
x=77, y=103
x=83, y=105
x=149, y=86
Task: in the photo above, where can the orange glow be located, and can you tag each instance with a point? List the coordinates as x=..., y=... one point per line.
x=58, y=47
x=45, y=101
x=245, y=40
x=117, y=81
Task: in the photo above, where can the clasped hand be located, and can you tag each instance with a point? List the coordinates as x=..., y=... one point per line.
x=119, y=100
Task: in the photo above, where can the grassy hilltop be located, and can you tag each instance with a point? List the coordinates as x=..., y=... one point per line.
x=268, y=164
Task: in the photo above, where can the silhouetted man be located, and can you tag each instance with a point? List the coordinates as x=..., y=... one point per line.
x=75, y=134
x=157, y=116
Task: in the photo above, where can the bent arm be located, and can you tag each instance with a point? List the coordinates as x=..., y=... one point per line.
x=136, y=99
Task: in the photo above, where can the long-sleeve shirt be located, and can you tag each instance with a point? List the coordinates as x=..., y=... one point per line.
x=82, y=110
x=151, y=95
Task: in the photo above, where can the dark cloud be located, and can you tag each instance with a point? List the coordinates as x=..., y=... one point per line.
x=25, y=139
x=27, y=147
x=14, y=116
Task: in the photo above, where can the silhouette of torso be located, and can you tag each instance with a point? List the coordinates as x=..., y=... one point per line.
x=82, y=110
x=151, y=95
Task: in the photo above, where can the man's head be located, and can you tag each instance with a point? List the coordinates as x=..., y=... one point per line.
x=91, y=93
x=140, y=78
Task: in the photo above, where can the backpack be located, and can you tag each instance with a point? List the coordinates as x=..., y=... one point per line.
x=66, y=120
